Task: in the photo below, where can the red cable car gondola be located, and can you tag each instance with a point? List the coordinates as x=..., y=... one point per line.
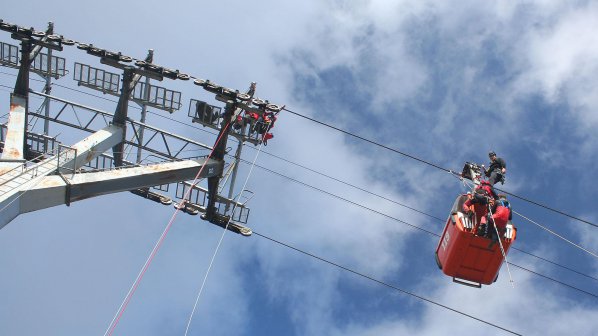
x=471, y=259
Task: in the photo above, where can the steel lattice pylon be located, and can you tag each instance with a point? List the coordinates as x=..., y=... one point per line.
x=38, y=171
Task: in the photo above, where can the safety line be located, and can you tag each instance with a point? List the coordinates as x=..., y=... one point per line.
x=384, y=283
x=133, y=288
x=556, y=234
x=504, y=255
x=205, y=279
x=222, y=236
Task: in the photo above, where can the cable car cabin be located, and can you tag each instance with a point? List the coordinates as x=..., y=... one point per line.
x=470, y=259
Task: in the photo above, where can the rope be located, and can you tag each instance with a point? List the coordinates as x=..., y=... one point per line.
x=222, y=237
x=205, y=279
x=150, y=258
x=554, y=263
x=556, y=234
x=502, y=250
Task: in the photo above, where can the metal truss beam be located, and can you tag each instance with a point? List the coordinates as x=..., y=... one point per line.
x=55, y=190
x=96, y=144
x=161, y=143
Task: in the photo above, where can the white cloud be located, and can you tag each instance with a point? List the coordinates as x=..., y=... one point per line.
x=525, y=309
x=375, y=41
x=559, y=60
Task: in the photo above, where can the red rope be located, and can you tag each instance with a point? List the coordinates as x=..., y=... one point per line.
x=158, y=245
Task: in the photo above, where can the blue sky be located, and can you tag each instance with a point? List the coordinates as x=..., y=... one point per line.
x=444, y=81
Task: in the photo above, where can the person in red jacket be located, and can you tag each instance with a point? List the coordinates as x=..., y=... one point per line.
x=486, y=186
x=476, y=207
x=500, y=216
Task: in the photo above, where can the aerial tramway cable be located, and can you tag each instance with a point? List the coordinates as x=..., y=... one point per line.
x=435, y=166
x=368, y=141
x=348, y=184
x=413, y=225
x=347, y=269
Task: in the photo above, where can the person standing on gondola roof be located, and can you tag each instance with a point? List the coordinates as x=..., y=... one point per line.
x=497, y=170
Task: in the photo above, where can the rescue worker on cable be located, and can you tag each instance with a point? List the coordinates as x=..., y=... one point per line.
x=497, y=170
